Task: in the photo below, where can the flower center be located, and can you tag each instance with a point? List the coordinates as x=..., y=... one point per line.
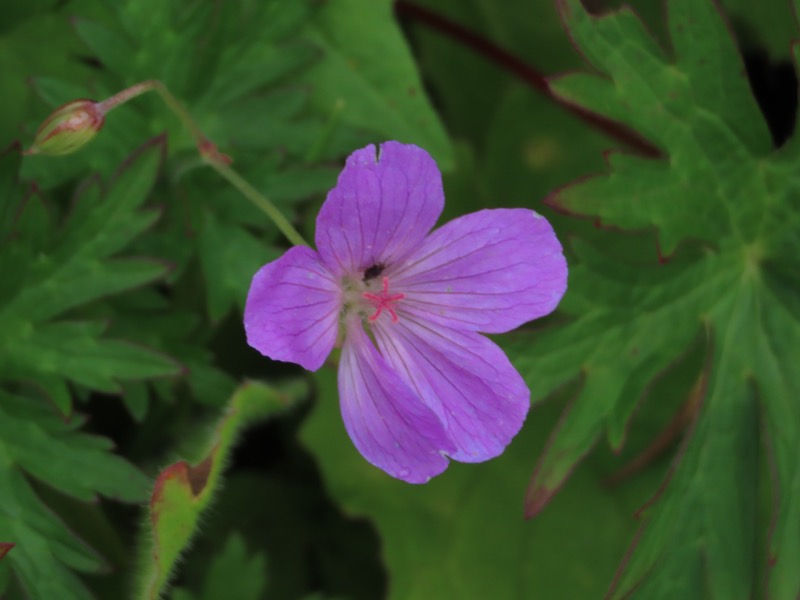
x=383, y=300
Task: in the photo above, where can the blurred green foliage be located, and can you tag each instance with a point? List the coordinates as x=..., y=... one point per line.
x=125, y=267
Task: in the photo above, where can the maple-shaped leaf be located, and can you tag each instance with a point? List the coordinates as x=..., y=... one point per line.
x=52, y=271
x=724, y=207
x=36, y=442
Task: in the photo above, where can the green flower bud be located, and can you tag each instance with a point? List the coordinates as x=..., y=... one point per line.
x=68, y=128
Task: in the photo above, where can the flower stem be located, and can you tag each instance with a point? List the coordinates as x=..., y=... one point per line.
x=208, y=151
x=252, y=194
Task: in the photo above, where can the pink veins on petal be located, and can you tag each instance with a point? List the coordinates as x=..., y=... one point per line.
x=430, y=386
x=383, y=301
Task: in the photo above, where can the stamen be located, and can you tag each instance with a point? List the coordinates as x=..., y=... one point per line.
x=383, y=301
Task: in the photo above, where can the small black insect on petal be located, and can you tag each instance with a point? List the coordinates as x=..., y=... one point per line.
x=374, y=271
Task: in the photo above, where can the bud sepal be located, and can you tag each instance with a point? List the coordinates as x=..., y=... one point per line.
x=68, y=128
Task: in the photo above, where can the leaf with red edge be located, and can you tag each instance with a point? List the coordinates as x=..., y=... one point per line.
x=5, y=547
x=724, y=208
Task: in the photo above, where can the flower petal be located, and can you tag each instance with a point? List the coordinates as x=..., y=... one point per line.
x=387, y=422
x=465, y=379
x=487, y=271
x=381, y=208
x=292, y=309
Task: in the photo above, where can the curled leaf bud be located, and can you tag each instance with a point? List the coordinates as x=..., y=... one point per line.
x=68, y=128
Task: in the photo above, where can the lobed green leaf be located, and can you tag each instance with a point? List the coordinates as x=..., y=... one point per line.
x=723, y=206
x=34, y=439
x=77, y=268
x=367, y=65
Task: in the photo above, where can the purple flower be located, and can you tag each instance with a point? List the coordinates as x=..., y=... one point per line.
x=418, y=382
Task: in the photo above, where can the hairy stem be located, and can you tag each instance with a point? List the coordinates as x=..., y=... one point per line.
x=252, y=194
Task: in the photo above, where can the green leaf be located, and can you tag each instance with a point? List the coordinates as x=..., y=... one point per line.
x=767, y=25
x=33, y=40
x=10, y=160
x=232, y=574
x=462, y=535
x=236, y=70
x=36, y=441
x=113, y=49
x=51, y=275
x=454, y=71
x=183, y=490
x=699, y=109
x=368, y=66
x=299, y=528
x=724, y=208
x=229, y=257
x=227, y=66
